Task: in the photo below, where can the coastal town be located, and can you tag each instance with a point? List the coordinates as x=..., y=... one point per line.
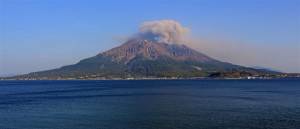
x=98, y=77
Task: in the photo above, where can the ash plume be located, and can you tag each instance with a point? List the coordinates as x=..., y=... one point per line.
x=167, y=31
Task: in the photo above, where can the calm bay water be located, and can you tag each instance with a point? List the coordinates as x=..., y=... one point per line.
x=150, y=104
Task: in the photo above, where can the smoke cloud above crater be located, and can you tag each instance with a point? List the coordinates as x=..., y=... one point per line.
x=167, y=31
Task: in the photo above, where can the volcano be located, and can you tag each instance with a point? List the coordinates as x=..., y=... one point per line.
x=144, y=59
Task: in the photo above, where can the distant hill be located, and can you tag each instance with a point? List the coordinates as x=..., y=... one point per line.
x=264, y=68
x=135, y=59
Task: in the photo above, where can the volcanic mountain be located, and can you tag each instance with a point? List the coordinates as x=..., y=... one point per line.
x=136, y=59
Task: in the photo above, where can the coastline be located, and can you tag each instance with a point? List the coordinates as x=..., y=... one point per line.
x=127, y=79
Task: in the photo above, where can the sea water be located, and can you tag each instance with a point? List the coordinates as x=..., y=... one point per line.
x=150, y=104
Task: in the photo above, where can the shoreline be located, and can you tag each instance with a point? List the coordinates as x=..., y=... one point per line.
x=137, y=79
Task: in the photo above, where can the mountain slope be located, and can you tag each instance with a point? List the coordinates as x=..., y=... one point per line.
x=145, y=59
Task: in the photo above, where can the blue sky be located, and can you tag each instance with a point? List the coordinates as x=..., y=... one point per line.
x=39, y=35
